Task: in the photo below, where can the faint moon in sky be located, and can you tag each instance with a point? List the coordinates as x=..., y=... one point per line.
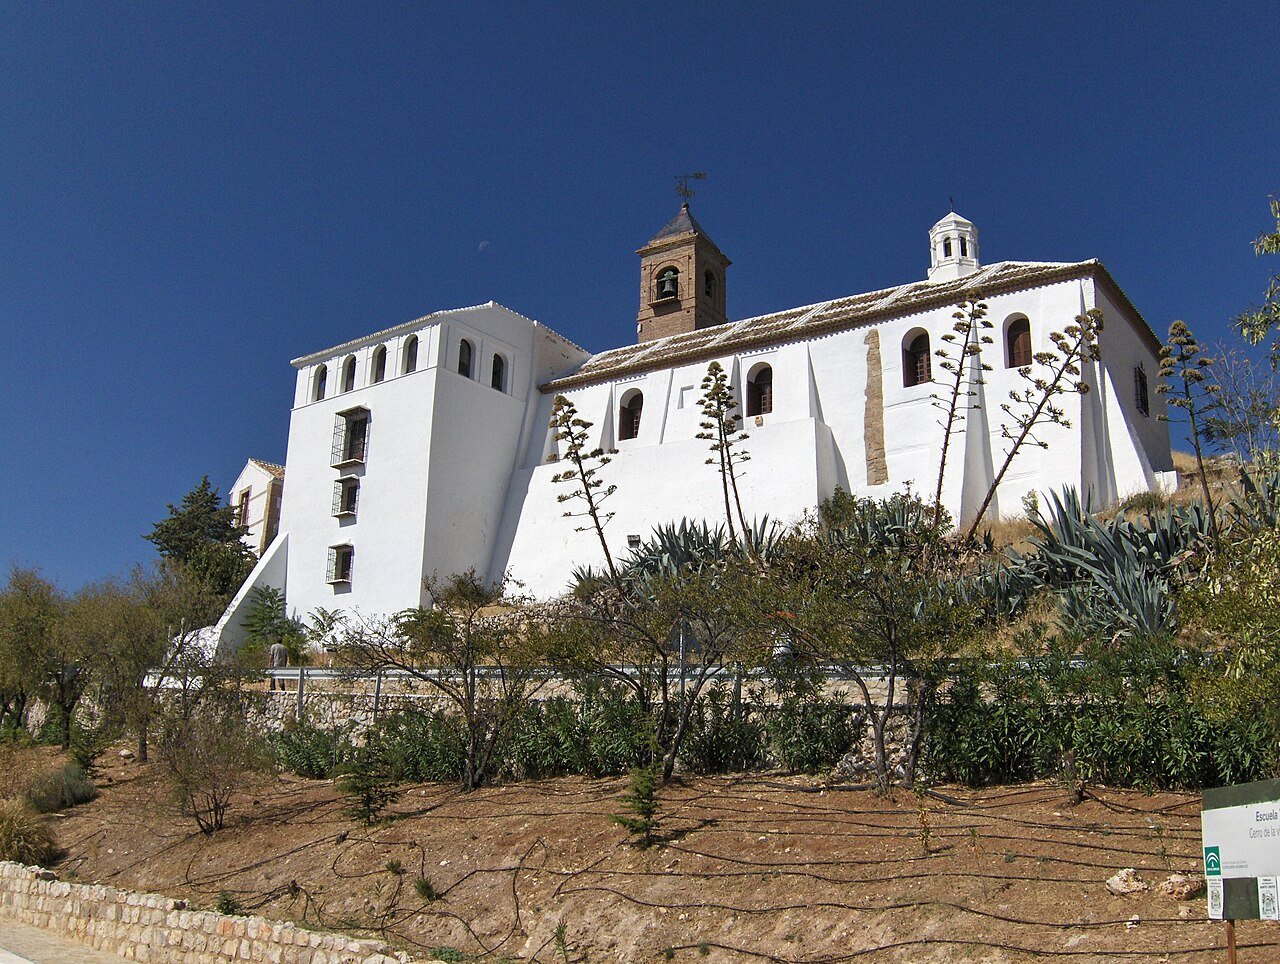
x=484, y=246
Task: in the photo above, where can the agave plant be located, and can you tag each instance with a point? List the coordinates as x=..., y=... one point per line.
x=1258, y=505
x=1115, y=576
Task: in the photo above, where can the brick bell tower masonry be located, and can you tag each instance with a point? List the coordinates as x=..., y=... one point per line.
x=682, y=280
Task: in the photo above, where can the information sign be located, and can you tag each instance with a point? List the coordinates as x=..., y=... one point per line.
x=1240, y=832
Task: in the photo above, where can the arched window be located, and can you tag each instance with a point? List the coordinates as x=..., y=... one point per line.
x=915, y=360
x=668, y=284
x=629, y=416
x=964, y=247
x=380, y=363
x=464, y=358
x=499, y=378
x=760, y=392
x=709, y=285
x=410, y=363
x=317, y=387
x=349, y=374
x=1017, y=340
x=946, y=247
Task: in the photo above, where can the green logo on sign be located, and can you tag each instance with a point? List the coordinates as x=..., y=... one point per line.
x=1212, y=862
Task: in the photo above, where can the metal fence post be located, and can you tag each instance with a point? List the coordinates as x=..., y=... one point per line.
x=302, y=685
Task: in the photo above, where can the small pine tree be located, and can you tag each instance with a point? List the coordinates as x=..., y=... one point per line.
x=368, y=787
x=641, y=804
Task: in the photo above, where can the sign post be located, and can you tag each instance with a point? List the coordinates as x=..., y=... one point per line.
x=1240, y=832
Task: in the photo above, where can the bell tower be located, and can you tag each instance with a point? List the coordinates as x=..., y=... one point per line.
x=682, y=275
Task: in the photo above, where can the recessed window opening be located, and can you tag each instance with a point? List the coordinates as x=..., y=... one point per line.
x=498, y=379
x=350, y=437
x=946, y=247
x=964, y=247
x=341, y=563
x=346, y=497
x=317, y=388
x=1140, y=395
x=242, y=508
x=349, y=374
x=629, y=416
x=668, y=283
x=1018, y=344
x=709, y=285
x=464, y=358
x=760, y=392
x=380, y=364
x=916, y=369
x=410, y=355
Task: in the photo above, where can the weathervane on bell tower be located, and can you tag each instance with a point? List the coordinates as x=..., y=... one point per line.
x=682, y=184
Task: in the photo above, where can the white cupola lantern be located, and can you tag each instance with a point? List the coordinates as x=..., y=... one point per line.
x=953, y=248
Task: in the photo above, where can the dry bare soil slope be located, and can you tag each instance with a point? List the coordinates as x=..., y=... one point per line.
x=751, y=868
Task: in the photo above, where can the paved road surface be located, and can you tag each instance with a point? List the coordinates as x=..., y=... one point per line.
x=20, y=944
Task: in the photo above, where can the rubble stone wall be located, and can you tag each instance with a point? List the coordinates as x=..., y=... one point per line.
x=149, y=927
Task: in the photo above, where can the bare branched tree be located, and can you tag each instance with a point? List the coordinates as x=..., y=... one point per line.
x=720, y=426
x=1184, y=378
x=963, y=343
x=583, y=475
x=1053, y=374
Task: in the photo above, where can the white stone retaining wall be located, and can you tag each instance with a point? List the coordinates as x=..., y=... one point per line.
x=149, y=927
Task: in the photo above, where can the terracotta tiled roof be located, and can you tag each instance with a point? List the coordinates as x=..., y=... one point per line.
x=838, y=314
x=277, y=471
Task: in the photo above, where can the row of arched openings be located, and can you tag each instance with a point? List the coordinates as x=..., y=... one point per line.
x=408, y=364
x=667, y=284
x=917, y=363
x=759, y=392
x=466, y=366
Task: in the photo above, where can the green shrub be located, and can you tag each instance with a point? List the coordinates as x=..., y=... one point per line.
x=602, y=731
x=418, y=747
x=228, y=904
x=58, y=789
x=1126, y=718
x=312, y=752
x=25, y=837
x=722, y=737
x=1144, y=502
x=807, y=730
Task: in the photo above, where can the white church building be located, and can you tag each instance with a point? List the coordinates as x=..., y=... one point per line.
x=424, y=449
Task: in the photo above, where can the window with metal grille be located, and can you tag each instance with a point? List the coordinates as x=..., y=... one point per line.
x=1018, y=344
x=629, y=416
x=346, y=496
x=916, y=369
x=341, y=562
x=760, y=392
x=1140, y=390
x=350, y=437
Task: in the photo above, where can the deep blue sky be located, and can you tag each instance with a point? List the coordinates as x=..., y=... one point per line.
x=192, y=194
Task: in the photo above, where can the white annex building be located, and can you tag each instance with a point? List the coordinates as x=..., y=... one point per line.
x=424, y=449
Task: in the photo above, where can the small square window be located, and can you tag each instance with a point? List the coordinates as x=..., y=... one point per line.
x=341, y=563
x=346, y=497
